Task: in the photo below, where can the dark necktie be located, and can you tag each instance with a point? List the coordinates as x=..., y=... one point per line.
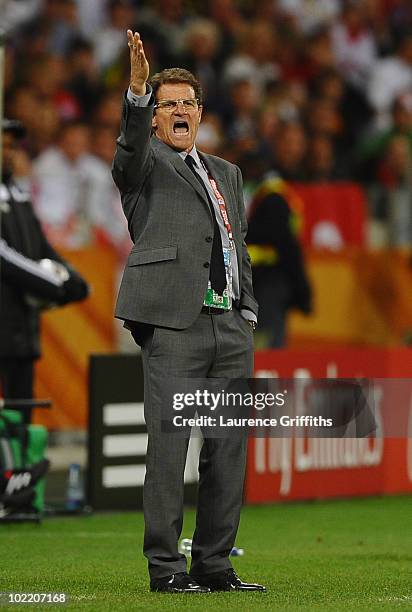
x=217, y=265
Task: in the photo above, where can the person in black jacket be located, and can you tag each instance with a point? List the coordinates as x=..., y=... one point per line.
x=280, y=281
x=33, y=277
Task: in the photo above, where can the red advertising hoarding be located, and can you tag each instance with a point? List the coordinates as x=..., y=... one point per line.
x=334, y=215
x=310, y=468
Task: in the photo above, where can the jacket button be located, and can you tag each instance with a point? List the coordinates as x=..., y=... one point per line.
x=208, y=238
x=206, y=264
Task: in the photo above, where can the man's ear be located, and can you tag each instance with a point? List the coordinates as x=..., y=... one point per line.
x=154, y=123
x=200, y=112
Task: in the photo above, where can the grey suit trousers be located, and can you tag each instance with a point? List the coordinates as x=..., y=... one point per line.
x=214, y=346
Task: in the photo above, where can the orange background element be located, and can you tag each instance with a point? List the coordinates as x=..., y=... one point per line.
x=360, y=297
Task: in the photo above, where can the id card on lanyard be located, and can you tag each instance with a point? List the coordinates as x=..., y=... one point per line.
x=212, y=298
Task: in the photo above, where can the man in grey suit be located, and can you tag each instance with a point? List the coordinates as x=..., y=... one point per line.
x=187, y=298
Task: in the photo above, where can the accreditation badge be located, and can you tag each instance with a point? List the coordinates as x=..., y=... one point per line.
x=224, y=301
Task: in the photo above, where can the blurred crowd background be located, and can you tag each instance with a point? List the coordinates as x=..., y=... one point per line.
x=318, y=90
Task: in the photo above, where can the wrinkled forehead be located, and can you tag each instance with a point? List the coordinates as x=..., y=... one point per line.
x=175, y=91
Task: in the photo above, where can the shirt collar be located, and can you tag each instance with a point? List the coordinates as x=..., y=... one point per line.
x=193, y=154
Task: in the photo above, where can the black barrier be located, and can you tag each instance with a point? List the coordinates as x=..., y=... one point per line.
x=117, y=435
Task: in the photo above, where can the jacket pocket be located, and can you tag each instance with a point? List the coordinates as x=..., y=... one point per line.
x=137, y=258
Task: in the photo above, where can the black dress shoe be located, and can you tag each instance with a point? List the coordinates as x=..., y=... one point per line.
x=227, y=581
x=177, y=583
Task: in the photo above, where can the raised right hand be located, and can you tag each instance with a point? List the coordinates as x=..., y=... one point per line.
x=139, y=66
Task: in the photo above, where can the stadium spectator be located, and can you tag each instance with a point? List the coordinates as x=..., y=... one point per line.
x=391, y=195
x=373, y=146
x=318, y=55
x=45, y=128
x=399, y=15
x=241, y=115
x=321, y=163
x=108, y=42
x=101, y=142
x=40, y=118
x=280, y=282
x=108, y=109
x=289, y=98
x=92, y=16
x=329, y=84
x=230, y=21
x=323, y=119
x=53, y=29
x=289, y=151
x=16, y=13
x=349, y=102
x=353, y=44
x=164, y=22
x=73, y=190
x=255, y=57
x=389, y=77
x=308, y=17
x=84, y=81
x=110, y=225
x=47, y=74
x=268, y=122
x=394, y=167
x=66, y=28
x=202, y=44
x=210, y=136
x=25, y=108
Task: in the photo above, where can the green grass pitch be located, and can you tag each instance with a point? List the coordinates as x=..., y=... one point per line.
x=330, y=555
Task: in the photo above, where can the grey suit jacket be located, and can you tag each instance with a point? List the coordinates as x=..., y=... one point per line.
x=170, y=222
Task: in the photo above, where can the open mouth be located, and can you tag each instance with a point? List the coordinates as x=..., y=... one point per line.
x=181, y=127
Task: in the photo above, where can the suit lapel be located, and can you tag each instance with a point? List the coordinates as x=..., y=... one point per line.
x=188, y=175
x=180, y=167
x=219, y=175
